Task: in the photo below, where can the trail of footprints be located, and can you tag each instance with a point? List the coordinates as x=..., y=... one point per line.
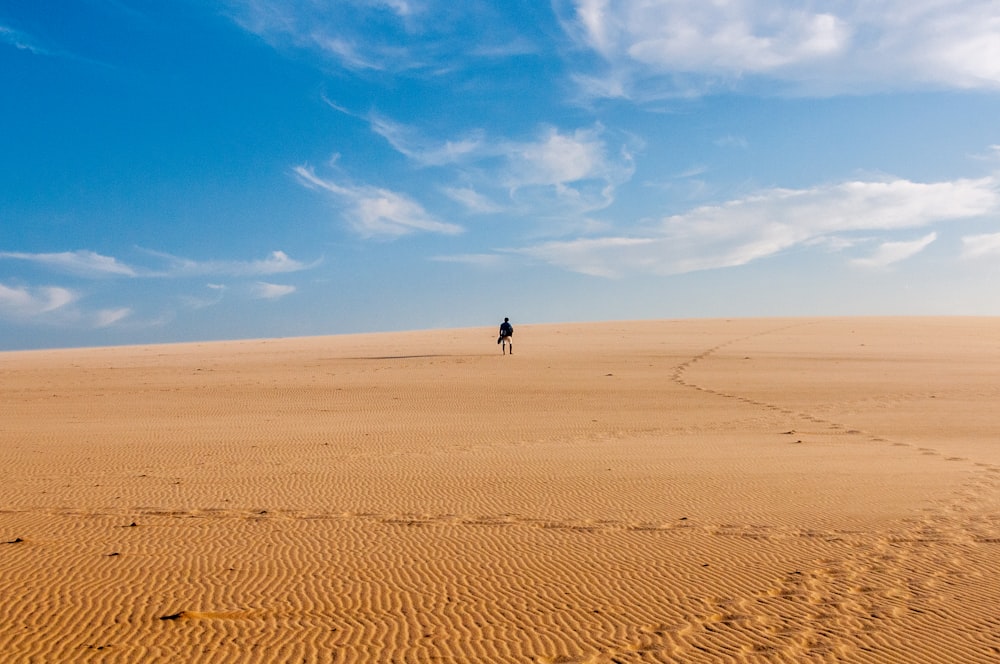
x=838, y=605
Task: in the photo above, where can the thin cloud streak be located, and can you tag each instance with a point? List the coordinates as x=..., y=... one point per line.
x=20, y=41
x=423, y=151
x=980, y=246
x=773, y=221
x=386, y=37
x=81, y=263
x=267, y=291
x=277, y=262
x=202, y=302
x=597, y=257
x=473, y=201
x=109, y=317
x=889, y=253
x=372, y=211
x=91, y=265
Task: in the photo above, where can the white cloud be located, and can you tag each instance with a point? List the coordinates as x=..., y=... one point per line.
x=428, y=153
x=277, y=262
x=842, y=47
x=978, y=246
x=201, y=301
x=599, y=257
x=348, y=52
x=557, y=159
x=265, y=291
x=372, y=211
x=387, y=35
x=597, y=23
x=84, y=263
x=958, y=43
x=758, y=226
x=401, y=7
x=310, y=26
x=835, y=243
x=992, y=154
x=20, y=41
x=20, y=302
x=772, y=221
x=691, y=172
x=554, y=158
x=564, y=173
x=731, y=36
x=108, y=317
x=567, y=169
x=889, y=253
x=54, y=306
x=472, y=200
x=81, y=263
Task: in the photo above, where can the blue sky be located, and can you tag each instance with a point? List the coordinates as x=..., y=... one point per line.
x=194, y=170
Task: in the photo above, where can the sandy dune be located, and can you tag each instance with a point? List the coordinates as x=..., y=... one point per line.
x=777, y=490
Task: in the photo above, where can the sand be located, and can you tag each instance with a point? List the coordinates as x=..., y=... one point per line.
x=772, y=490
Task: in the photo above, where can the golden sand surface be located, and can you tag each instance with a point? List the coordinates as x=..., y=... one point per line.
x=747, y=490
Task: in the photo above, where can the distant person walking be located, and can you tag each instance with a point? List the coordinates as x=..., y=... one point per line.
x=506, y=336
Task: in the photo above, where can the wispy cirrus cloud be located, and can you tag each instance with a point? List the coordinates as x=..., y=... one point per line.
x=109, y=317
x=374, y=211
x=601, y=257
x=277, y=262
x=60, y=305
x=21, y=41
x=665, y=46
x=889, y=253
x=576, y=170
x=216, y=293
x=980, y=246
x=387, y=35
x=22, y=302
x=427, y=152
x=55, y=306
x=263, y=290
x=776, y=220
x=92, y=265
x=82, y=263
x=552, y=158
x=474, y=201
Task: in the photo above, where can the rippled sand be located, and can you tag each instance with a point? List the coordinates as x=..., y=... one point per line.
x=773, y=490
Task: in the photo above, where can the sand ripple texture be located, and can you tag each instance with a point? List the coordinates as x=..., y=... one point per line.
x=780, y=490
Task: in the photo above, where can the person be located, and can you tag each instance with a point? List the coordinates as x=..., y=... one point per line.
x=506, y=336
